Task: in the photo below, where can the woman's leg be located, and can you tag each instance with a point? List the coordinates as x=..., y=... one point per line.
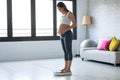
x=68, y=69
x=65, y=53
x=68, y=49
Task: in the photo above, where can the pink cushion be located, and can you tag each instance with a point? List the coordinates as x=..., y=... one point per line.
x=104, y=45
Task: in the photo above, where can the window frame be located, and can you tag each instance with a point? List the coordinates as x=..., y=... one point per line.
x=33, y=36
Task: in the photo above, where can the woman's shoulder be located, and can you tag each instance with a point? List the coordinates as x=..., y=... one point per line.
x=70, y=13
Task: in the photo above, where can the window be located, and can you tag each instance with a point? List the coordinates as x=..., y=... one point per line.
x=22, y=20
x=44, y=18
x=3, y=18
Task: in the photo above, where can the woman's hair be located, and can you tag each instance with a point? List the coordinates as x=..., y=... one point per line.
x=62, y=5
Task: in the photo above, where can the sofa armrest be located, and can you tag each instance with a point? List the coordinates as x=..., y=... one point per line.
x=88, y=43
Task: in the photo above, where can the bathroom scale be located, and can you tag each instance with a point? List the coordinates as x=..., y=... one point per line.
x=59, y=73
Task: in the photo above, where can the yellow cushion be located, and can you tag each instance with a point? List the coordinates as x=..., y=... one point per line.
x=113, y=44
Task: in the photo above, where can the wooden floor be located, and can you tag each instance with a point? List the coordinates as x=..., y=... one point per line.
x=43, y=70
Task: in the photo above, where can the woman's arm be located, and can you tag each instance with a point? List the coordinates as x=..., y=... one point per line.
x=72, y=18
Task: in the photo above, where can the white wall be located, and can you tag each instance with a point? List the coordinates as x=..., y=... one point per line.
x=106, y=19
x=81, y=29
x=24, y=50
x=29, y=50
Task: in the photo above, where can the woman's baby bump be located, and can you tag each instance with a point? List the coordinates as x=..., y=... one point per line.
x=62, y=28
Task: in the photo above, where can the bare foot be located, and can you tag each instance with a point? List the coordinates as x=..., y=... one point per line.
x=66, y=70
x=62, y=69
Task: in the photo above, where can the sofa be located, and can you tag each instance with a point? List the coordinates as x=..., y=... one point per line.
x=89, y=51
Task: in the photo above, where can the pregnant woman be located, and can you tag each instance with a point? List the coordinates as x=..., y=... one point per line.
x=67, y=23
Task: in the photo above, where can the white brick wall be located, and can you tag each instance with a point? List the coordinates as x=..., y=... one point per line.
x=105, y=17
